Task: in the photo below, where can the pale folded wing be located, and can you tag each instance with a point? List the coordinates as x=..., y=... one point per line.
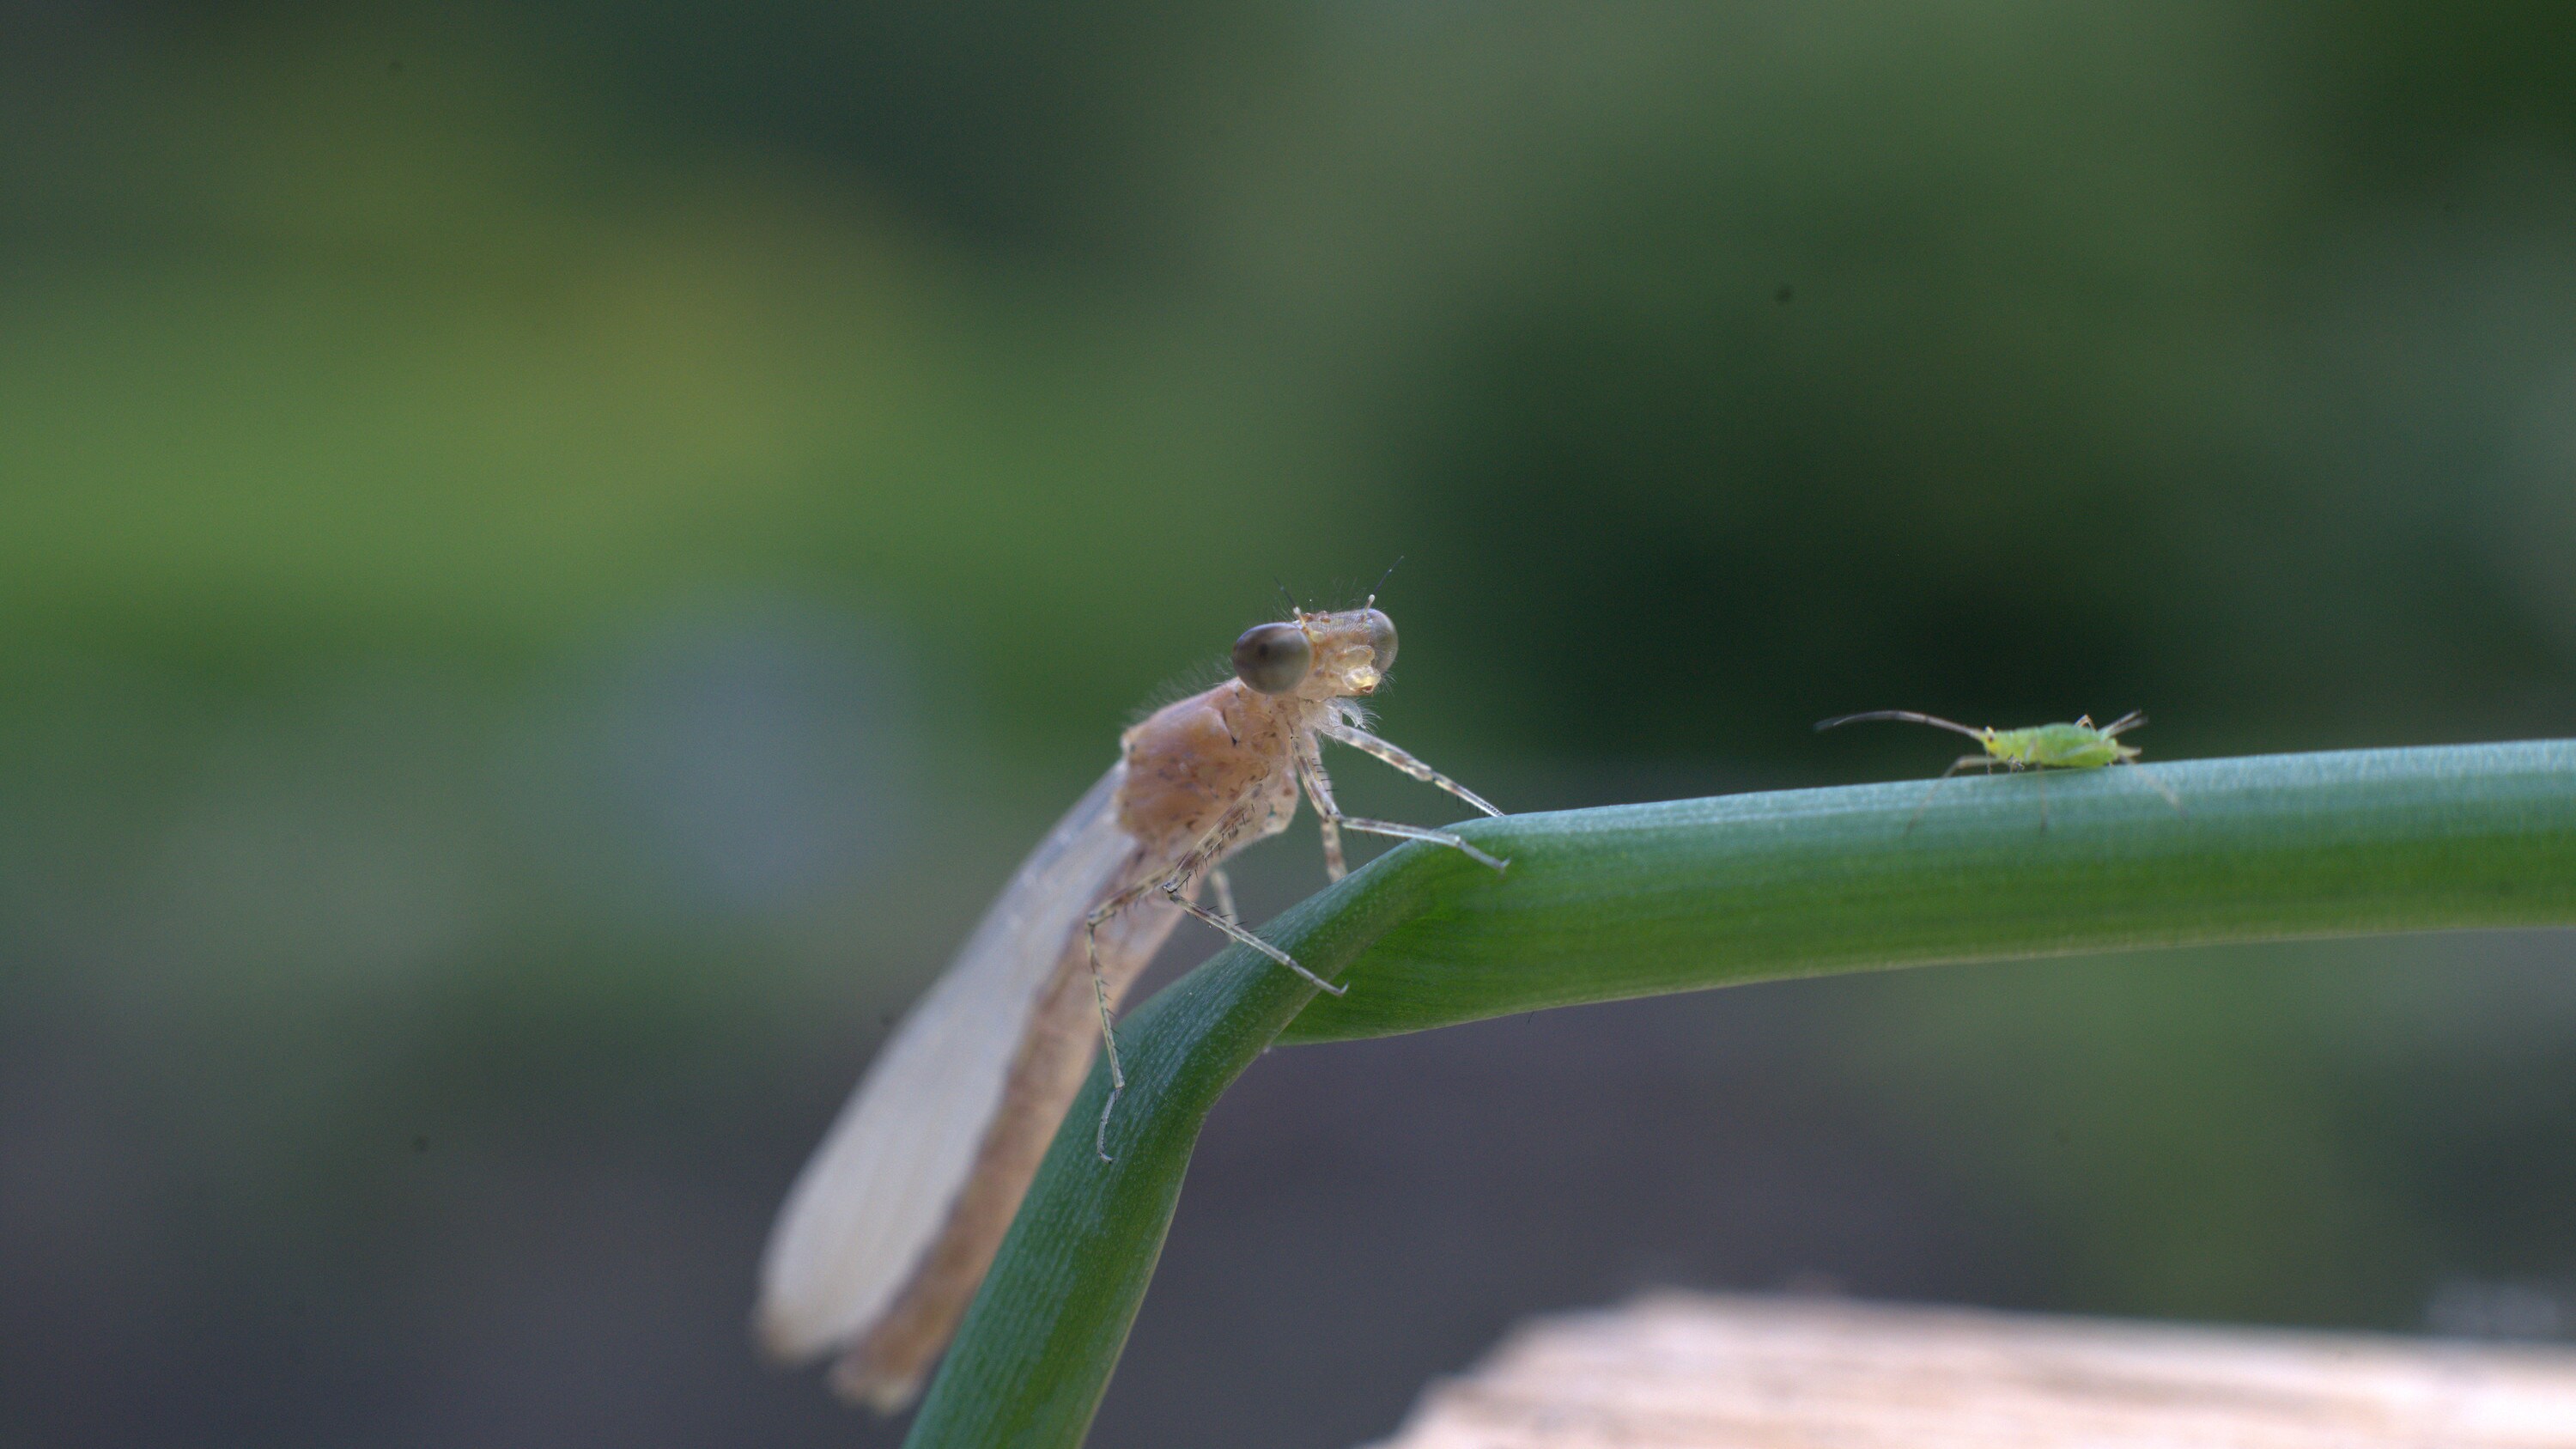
x=878, y=1190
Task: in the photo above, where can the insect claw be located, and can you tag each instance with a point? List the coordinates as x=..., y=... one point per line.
x=1100, y=1136
x=1329, y=988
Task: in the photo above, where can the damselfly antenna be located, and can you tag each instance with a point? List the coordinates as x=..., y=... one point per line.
x=1381, y=581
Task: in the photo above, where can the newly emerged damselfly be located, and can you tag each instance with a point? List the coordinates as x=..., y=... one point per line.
x=893, y=1223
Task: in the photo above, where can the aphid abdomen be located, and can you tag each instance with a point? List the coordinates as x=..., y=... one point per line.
x=2072, y=747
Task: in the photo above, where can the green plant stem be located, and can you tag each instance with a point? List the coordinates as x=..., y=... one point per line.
x=1645, y=899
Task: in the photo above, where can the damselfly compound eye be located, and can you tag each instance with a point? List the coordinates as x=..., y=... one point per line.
x=1274, y=658
x=1382, y=640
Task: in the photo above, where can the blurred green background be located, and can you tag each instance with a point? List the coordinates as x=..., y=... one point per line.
x=552, y=557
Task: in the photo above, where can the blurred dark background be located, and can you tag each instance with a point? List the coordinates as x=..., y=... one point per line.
x=553, y=556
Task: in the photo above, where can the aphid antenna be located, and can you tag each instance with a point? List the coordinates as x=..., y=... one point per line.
x=2129, y=721
x=1287, y=597
x=1907, y=715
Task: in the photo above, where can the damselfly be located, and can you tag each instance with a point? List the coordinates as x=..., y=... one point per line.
x=893, y=1223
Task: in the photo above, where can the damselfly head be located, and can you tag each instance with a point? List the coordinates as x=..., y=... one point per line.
x=1354, y=649
x=1318, y=656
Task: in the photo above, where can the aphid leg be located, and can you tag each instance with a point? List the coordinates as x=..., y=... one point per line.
x=1964, y=762
x=2161, y=788
x=2043, y=801
x=1360, y=739
x=1224, y=894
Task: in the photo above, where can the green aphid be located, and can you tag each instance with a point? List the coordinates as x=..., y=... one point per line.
x=2082, y=745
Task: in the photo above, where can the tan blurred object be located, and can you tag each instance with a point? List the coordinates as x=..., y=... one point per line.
x=1687, y=1371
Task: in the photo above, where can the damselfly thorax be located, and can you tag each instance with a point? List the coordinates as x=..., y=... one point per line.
x=892, y=1225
